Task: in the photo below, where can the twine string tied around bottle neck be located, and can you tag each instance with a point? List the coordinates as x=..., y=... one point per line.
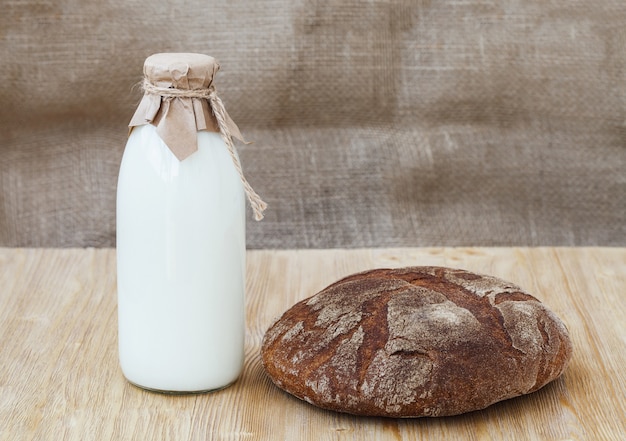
x=219, y=111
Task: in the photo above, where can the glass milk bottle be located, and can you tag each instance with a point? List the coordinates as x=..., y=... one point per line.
x=181, y=233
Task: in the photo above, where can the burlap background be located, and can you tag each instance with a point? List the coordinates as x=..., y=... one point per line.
x=374, y=122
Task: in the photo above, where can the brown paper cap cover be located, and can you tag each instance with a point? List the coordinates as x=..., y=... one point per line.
x=177, y=119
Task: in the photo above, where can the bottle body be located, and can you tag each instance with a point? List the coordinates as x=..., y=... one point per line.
x=180, y=265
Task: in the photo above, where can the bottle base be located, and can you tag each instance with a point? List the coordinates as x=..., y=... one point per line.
x=182, y=392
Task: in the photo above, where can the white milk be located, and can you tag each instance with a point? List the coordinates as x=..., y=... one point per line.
x=180, y=265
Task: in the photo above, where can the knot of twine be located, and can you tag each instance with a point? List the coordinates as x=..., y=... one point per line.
x=218, y=109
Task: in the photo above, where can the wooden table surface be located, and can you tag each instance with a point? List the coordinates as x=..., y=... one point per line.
x=60, y=378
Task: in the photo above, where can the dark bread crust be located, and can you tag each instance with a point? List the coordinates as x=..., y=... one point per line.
x=411, y=342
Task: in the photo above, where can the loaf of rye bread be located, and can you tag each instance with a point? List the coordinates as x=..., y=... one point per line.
x=413, y=342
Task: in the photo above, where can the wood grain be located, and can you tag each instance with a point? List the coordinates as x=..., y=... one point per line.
x=60, y=379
